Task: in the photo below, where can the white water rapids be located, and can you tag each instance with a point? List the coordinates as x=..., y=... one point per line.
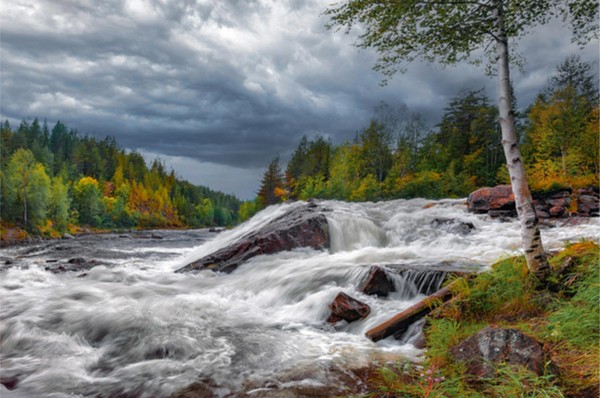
x=132, y=327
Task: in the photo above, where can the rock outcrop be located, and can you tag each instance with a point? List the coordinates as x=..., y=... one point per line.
x=344, y=307
x=499, y=201
x=301, y=226
x=588, y=202
x=494, y=346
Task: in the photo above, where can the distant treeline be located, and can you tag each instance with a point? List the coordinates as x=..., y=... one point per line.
x=53, y=179
x=397, y=157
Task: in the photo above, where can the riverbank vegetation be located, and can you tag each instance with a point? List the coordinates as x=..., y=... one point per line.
x=564, y=319
x=396, y=156
x=54, y=180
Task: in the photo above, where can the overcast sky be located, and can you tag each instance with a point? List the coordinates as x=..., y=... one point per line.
x=217, y=88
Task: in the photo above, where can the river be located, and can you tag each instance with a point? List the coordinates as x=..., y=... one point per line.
x=131, y=327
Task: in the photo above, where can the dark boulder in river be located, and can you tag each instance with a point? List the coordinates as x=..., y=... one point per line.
x=347, y=308
x=378, y=283
x=301, y=226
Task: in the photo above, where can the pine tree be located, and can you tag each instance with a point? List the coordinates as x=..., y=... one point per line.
x=272, y=181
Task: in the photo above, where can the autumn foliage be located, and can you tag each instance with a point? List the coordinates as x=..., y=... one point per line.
x=55, y=180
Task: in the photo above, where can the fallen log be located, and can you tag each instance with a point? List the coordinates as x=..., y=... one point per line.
x=400, y=322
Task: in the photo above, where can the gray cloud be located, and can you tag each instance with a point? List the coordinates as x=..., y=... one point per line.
x=228, y=84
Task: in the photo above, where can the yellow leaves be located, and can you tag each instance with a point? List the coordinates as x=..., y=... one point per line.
x=86, y=181
x=281, y=193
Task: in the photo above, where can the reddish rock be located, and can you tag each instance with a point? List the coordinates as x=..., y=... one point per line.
x=378, y=283
x=483, y=200
x=347, y=308
x=494, y=346
x=557, y=211
x=499, y=202
x=302, y=226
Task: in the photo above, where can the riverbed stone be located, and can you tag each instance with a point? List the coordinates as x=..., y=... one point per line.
x=378, y=283
x=301, y=226
x=347, y=308
x=498, y=345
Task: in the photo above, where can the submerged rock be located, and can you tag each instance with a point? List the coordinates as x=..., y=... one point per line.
x=347, y=308
x=72, y=265
x=378, y=283
x=302, y=226
x=453, y=225
x=494, y=346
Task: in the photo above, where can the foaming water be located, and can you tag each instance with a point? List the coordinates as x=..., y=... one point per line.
x=132, y=326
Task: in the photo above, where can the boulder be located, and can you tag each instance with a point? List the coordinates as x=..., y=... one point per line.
x=557, y=211
x=485, y=199
x=347, y=308
x=588, y=202
x=496, y=345
x=377, y=283
x=301, y=226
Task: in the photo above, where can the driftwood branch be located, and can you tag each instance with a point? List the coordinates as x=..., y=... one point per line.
x=401, y=321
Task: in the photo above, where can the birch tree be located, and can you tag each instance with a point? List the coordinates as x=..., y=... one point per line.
x=451, y=31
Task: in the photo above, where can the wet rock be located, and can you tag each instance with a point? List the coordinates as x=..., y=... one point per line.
x=485, y=199
x=452, y=225
x=200, y=389
x=301, y=226
x=557, y=211
x=377, y=283
x=68, y=236
x=495, y=345
x=588, y=202
x=503, y=215
x=72, y=265
x=152, y=236
x=10, y=382
x=347, y=308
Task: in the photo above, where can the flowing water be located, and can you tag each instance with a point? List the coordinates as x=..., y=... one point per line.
x=130, y=326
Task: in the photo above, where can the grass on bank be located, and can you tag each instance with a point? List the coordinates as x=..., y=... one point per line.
x=564, y=317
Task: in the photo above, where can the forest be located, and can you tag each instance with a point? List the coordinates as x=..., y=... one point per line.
x=55, y=180
x=397, y=157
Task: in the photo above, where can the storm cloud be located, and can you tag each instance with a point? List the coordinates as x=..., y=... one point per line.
x=220, y=86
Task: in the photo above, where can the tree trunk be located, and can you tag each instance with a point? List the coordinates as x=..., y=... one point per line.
x=530, y=231
x=25, y=210
x=400, y=322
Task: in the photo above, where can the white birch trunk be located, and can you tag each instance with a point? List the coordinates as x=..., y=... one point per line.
x=530, y=231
